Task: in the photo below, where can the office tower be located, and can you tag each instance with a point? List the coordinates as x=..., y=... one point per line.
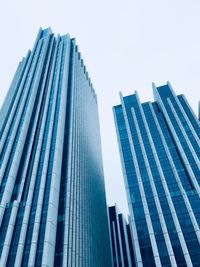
x=52, y=198
x=160, y=152
x=121, y=239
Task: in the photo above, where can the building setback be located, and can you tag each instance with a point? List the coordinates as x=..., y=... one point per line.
x=121, y=239
x=159, y=145
x=52, y=197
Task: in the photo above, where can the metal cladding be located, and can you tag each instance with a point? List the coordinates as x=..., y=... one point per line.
x=159, y=146
x=52, y=196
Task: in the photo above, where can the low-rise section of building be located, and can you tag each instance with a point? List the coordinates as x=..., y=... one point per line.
x=121, y=239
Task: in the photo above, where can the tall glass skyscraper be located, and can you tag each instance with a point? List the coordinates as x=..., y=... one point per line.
x=52, y=196
x=160, y=152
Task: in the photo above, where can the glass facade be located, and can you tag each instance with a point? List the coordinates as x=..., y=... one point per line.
x=121, y=239
x=52, y=195
x=160, y=150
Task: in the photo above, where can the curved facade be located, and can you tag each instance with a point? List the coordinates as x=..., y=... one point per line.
x=52, y=195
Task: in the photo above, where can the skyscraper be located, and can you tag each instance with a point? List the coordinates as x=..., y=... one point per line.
x=160, y=150
x=52, y=197
x=121, y=239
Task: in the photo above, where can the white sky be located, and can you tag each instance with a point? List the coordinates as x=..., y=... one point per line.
x=125, y=44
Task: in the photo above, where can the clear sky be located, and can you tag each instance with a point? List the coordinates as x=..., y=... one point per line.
x=126, y=45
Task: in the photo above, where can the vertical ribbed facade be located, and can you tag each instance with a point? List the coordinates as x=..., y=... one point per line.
x=121, y=239
x=52, y=196
x=159, y=145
